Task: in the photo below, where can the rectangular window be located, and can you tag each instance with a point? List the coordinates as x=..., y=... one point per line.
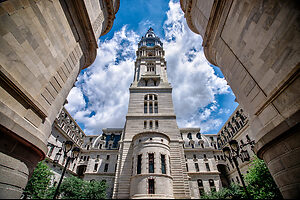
x=96, y=167
x=105, y=167
x=151, y=186
x=150, y=107
x=155, y=108
x=51, y=150
x=156, y=124
x=201, y=191
x=200, y=183
x=197, y=167
x=145, y=124
x=187, y=168
x=151, y=162
x=107, y=157
x=170, y=165
x=163, y=164
x=139, y=164
x=150, y=124
x=145, y=107
x=150, y=97
x=207, y=167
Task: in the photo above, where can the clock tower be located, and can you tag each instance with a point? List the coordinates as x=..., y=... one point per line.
x=151, y=161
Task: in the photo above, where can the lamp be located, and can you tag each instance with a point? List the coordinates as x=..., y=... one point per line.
x=245, y=156
x=68, y=146
x=75, y=152
x=227, y=152
x=234, y=145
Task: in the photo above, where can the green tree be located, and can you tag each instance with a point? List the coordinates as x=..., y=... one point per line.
x=76, y=188
x=260, y=183
x=39, y=182
x=234, y=191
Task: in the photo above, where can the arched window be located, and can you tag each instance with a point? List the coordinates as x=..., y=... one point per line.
x=189, y=135
x=211, y=182
x=200, y=183
x=198, y=135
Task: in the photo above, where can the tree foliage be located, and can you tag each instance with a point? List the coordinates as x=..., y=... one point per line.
x=72, y=187
x=260, y=183
x=234, y=191
x=75, y=188
x=39, y=182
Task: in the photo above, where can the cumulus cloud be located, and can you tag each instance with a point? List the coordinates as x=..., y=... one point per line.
x=100, y=97
x=193, y=79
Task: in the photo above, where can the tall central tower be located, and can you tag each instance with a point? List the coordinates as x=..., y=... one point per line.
x=151, y=162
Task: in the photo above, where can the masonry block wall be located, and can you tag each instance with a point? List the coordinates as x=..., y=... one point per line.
x=256, y=45
x=44, y=45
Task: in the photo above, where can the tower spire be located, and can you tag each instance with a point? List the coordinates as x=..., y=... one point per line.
x=150, y=65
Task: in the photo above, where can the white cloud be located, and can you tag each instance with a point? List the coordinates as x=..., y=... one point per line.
x=105, y=84
x=193, y=79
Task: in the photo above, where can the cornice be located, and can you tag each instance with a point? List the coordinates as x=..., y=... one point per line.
x=217, y=19
x=187, y=9
x=111, y=12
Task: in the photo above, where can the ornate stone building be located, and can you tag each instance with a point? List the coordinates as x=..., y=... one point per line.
x=152, y=161
x=43, y=47
x=150, y=157
x=256, y=45
x=236, y=128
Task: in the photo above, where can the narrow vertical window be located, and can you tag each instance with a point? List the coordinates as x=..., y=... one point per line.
x=151, y=162
x=150, y=97
x=51, y=150
x=150, y=107
x=155, y=97
x=163, y=164
x=150, y=124
x=156, y=124
x=170, y=165
x=145, y=124
x=187, y=168
x=197, y=167
x=107, y=157
x=207, y=167
x=151, y=186
x=96, y=167
x=145, y=107
x=106, y=168
x=155, y=107
x=139, y=164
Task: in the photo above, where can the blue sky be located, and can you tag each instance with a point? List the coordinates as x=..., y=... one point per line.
x=201, y=95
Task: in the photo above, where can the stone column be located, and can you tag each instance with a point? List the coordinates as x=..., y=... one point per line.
x=15, y=179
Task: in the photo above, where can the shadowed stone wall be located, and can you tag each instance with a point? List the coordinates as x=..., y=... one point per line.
x=256, y=45
x=43, y=47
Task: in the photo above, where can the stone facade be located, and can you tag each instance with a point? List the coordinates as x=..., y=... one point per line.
x=150, y=157
x=98, y=159
x=236, y=128
x=256, y=46
x=44, y=45
x=152, y=161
